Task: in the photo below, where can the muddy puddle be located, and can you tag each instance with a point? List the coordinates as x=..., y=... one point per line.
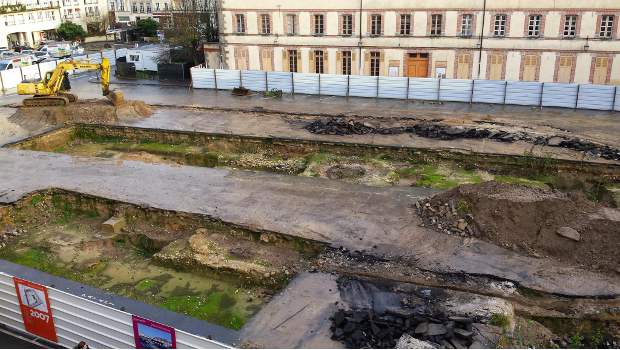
x=361, y=164
x=223, y=281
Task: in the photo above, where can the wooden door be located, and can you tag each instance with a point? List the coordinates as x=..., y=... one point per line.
x=496, y=67
x=530, y=67
x=463, y=68
x=601, y=67
x=565, y=69
x=417, y=65
x=266, y=59
x=241, y=58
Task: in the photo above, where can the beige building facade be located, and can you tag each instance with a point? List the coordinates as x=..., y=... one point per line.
x=572, y=41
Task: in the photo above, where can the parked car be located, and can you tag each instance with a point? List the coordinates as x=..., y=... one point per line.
x=41, y=56
x=15, y=61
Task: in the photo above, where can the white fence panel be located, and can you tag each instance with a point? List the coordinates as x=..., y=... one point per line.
x=78, y=58
x=393, y=87
x=306, y=83
x=203, y=78
x=254, y=80
x=78, y=319
x=489, y=91
x=617, y=99
x=362, y=86
x=281, y=81
x=10, y=78
x=47, y=67
x=31, y=73
x=599, y=97
x=456, y=90
x=334, y=84
x=94, y=57
x=423, y=89
x=559, y=95
x=109, y=54
x=523, y=93
x=227, y=79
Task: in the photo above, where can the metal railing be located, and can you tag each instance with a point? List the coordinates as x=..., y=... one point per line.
x=578, y=96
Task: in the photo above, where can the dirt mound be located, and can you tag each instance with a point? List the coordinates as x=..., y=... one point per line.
x=100, y=111
x=538, y=222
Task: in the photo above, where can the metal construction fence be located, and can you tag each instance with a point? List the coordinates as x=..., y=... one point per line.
x=77, y=319
x=582, y=96
x=11, y=77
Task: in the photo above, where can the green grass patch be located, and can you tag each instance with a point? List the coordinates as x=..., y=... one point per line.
x=513, y=180
x=500, y=320
x=217, y=307
x=36, y=199
x=146, y=285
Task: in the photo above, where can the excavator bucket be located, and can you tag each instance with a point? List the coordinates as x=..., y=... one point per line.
x=117, y=97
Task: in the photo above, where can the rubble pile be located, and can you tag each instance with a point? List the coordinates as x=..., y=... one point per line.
x=448, y=217
x=435, y=130
x=366, y=329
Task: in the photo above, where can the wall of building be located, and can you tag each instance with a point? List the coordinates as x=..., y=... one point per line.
x=515, y=49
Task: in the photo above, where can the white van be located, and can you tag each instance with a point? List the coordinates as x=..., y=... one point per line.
x=15, y=62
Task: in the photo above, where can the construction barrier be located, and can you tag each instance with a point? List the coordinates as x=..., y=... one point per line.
x=67, y=319
x=578, y=96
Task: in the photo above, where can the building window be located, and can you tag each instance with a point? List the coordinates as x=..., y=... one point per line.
x=375, y=61
x=319, y=25
x=467, y=25
x=499, y=26
x=240, y=18
x=291, y=25
x=265, y=24
x=436, y=25
x=318, y=62
x=570, y=26
x=292, y=61
x=405, y=24
x=165, y=6
x=375, y=25
x=134, y=7
x=346, y=62
x=157, y=7
x=347, y=24
x=533, y=27
x=148, y=7
x=607, y=26
x=141, y=7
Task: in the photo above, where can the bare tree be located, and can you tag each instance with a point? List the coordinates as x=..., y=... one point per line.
x=192, y=23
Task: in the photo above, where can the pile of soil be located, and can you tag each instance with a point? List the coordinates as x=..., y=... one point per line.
x=439, y=129
x=99, y=111
x=538, y=222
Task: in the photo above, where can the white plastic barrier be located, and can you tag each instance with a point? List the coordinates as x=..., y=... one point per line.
x=523, y=93
x=10, y=78
x=281, y=81
x=254, y=80
x=227, y=79
x=559, y=95
x=203, y=78
x=306, y=83
x=456, y=90
x=489, y=91
x=424, y=89
x=77, y=319
x=31, y=73
x=599, y=97
x=363, y=86
x=334, y=84
x=393, y=87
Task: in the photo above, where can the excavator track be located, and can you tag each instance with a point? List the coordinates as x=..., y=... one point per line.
x=71, y=97
x=46, y=101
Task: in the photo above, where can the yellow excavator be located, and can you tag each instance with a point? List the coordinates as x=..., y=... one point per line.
x=54, y=89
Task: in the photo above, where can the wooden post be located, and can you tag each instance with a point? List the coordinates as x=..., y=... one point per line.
x=266, y=82
x=613, y=103
x=319, y=84
x=240, y=79
x=215, y=78
x=471, y=93
x=292, y=83
x=439, y=90
x=377, y=93
x=2, y=81
x=39, y=68
x=505, y=91
x=348, y=83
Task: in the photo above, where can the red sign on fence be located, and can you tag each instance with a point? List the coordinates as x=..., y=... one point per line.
x=35, y=308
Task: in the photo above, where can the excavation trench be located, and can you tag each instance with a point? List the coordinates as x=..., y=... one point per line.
x=356, y=163
x=182, y=262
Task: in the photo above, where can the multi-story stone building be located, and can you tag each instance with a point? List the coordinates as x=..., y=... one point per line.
x=27, y=22
x=535, y=40
x=130, y=11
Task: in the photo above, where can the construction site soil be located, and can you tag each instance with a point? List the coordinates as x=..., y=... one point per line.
x=246, y=234
x=534, y=221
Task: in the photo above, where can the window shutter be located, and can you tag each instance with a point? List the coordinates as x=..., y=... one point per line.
x=354, y=63
x=338, y=62
x=326, y=61
x=366, y=63
x=382, y=65
x=285, y=65
x=311, y=60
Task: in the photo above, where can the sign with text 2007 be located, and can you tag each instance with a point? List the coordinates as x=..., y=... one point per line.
x=35, y=307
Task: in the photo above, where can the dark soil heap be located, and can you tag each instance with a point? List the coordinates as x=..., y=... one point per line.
x=538, y=222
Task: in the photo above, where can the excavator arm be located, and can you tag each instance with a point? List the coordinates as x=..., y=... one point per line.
x=50, y=92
